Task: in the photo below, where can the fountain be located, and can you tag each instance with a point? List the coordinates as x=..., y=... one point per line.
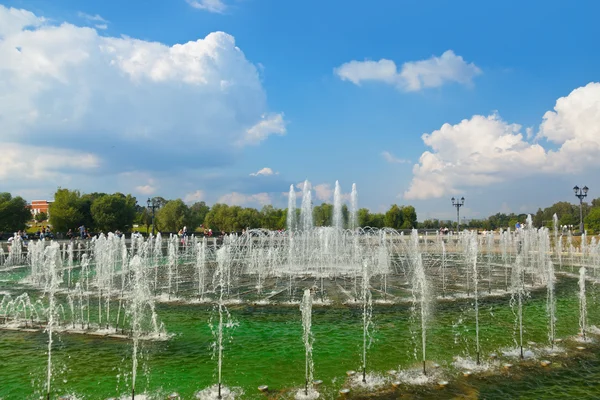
x=307, y=337
x=420, y=290
x=582, y=304
x=366, y=278
x=367, y=318
x=473, y=262
x=52, y=254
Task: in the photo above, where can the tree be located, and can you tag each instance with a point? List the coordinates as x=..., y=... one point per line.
x=198, y=212
x=592, y=220
x=409, y=217
x=40, y=217
x=174, y=215
x=272, y=218
x=14, y=213
x=65, y=213
x=323, y=215
x=113, y=212
x=394, y=217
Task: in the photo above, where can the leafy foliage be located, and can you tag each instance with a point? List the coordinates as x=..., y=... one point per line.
x=14, y=213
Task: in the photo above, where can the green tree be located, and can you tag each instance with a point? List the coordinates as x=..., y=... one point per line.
x=323, y=214
x=40, y=217
x=394, y=217
x=272, y=218
x=113, y=212
x=14, y=213
x=173, y=216
x=409, y=217
x=198, y=212
x=246, y=218
x=592, y=220
x=65, y=210
x=431, y=224
x=364, y=217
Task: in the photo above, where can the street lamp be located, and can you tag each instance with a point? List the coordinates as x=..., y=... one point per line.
x=152, y=205
x=580, y=193
x=458, y=204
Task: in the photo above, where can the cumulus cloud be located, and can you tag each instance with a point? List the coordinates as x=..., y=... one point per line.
x=485, y=150
x=413, y=75
x=264, y=172
x=240, y=199
x=145, y=189
x=31, y=163
x=389, y=157
x=268, y=125
x=194, y=197
x=120, y=103
x=323, y=191
x=214, y=6
x=96, y=20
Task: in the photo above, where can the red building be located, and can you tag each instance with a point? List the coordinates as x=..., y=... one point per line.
x=38, y=206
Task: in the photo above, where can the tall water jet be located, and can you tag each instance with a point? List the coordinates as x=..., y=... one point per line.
x=201, y=265
x=307, y=337
x=139, y=296
x=420, y=291
x=291, y=211
x=353, y=218
x=306, y=216
x=222, y=284
x=582, y=304
x=338, y=221
x=518, y=292
x=367, y=318
x=473, y=262
x=551, y=302
x=52, y=256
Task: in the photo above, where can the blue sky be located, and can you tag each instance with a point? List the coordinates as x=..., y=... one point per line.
x=112, y=108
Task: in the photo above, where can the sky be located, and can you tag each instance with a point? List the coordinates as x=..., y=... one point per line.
x=235, y=100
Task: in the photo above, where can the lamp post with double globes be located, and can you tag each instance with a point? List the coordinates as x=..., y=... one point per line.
x=458, y=204
x=580, y=193
x=152, y=206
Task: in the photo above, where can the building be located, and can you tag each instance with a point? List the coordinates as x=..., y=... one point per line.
x=38, y=206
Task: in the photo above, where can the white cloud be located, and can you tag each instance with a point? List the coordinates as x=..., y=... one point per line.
x=264, y=172
x=268, y=125
x=414, y=75
x=389, y=157
x=146, y=189
x=125, y=102
x=323, y=191
x=89, y=17
x=214, y=6
x=240, y=199
x=15, y=20
x=194, y=197
x=31, y=163
x=98, y=22
x=485, y=150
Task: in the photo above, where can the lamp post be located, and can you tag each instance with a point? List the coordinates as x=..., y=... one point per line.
x=458, y=204
x=152, y=206
x=580, y=193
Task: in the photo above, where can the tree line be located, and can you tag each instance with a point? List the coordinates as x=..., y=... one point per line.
x=104, y=212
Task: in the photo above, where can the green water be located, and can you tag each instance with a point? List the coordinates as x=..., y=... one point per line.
x=266, y=349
